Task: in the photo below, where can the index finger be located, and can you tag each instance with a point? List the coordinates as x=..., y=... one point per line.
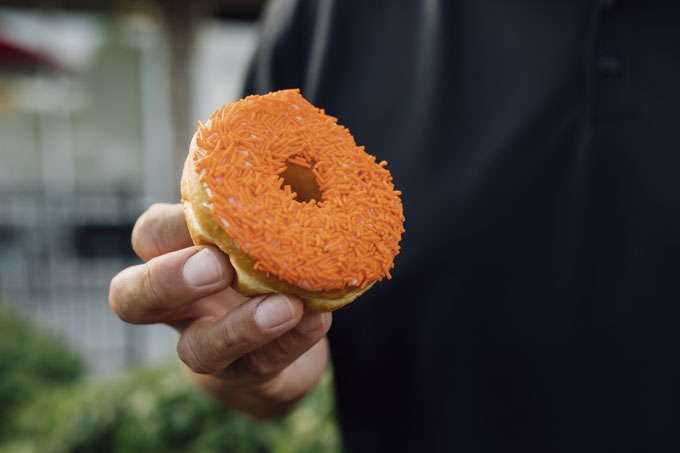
x=153, y=291
x=159, y=230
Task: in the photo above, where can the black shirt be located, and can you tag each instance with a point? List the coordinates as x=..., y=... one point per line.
x=536, y=303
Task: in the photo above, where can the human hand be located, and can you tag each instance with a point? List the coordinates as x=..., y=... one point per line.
x=258, y=355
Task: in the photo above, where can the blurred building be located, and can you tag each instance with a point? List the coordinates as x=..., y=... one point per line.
x=97, y=107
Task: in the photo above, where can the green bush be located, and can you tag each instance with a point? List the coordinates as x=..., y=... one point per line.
x=157, y=409
x=151, y=409
x=30, y=360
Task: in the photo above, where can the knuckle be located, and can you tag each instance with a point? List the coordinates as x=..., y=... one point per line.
x=125, y=314
x=137, y=294
x=144, y=241
x=114, y=292
x=117, y=299
x=231, y=338
x=187, y=352
x=153, y=289
x=258, y=367
x=138, y=233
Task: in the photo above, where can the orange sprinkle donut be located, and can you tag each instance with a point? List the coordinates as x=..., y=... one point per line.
x=300, y=208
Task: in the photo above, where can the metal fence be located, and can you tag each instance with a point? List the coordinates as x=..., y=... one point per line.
x=57, y=257
x=84, y=151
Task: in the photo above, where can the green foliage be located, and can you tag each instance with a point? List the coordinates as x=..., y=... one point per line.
x=30, y=360
x=148, y=409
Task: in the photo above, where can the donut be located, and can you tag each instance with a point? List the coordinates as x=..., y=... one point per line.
x=286, y=193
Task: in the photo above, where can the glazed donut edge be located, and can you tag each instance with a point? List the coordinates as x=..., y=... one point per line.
x=249, y=282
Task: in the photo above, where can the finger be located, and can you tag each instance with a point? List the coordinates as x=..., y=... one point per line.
x=157, y=290
x=211, y=345
x=296, y=379
x=213, y=306
x=159, y=230
x=266, y=362
x=289, y=386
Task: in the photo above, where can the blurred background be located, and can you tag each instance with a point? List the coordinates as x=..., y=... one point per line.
x=98, y=102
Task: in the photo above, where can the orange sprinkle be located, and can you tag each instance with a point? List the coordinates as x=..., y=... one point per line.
x=299, y=162
x=348, y=238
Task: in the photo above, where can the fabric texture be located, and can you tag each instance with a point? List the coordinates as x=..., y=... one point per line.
x=535, y=305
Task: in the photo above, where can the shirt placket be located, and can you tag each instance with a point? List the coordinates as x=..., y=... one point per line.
x=610, y=62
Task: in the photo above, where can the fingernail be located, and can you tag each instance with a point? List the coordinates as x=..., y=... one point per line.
x=310, y=322
x=273, y=311
x=202, y=268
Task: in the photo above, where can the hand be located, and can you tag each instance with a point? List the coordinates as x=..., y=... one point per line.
x=258, y=355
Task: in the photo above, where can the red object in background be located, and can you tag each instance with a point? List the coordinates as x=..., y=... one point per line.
x=13, y=56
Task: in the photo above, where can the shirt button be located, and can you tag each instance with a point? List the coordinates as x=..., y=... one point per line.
x=609, y=65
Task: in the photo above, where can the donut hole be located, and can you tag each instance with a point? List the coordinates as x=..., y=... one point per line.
x=301, y=181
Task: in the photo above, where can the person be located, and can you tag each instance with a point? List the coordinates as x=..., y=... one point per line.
x=536, y=303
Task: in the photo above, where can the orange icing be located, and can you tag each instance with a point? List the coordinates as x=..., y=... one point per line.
x=348, y=238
